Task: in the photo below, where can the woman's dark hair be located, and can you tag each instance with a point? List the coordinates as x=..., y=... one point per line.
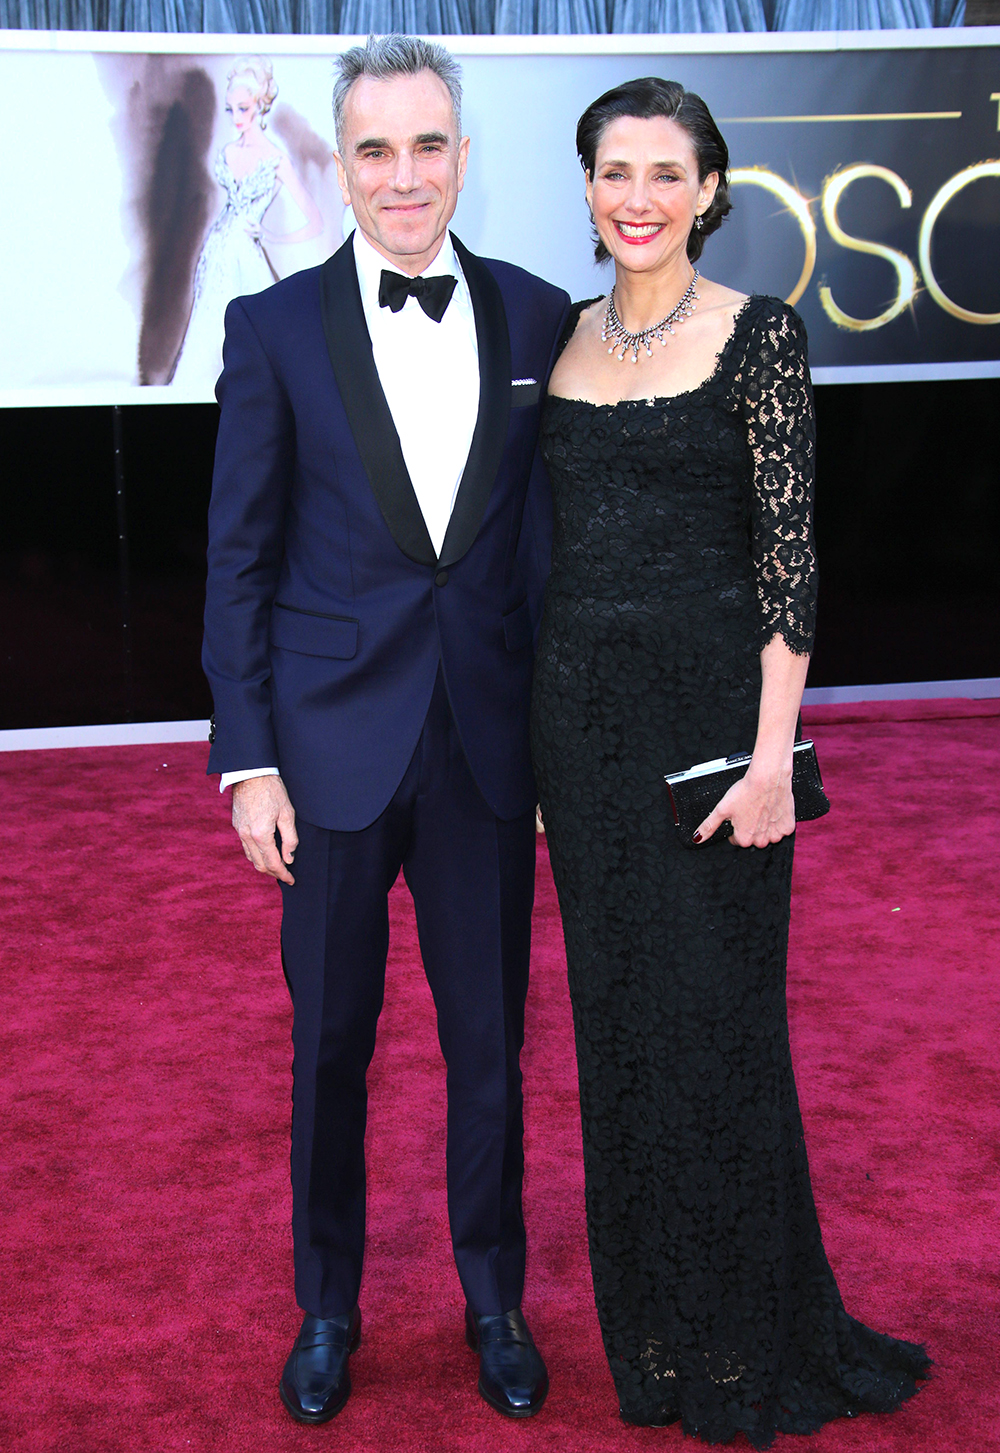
x=645, y=99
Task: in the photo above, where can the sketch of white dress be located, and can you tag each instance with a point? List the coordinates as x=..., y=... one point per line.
x=232, y=264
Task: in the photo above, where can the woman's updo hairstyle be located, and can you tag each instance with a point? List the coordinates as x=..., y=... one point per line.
x=645, y=99
x=254, y=74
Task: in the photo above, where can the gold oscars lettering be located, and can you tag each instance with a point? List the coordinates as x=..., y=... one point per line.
x=906, y=273
x=795, y=203
x=941, y=199
x=907, y=277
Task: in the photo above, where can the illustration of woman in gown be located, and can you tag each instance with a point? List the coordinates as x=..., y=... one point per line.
x=251, y=171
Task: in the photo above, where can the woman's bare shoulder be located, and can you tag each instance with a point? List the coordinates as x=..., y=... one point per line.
x=592, y=315
x=584, y=322
x=717, y=295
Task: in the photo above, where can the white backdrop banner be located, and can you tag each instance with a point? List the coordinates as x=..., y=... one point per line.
x=866, y=171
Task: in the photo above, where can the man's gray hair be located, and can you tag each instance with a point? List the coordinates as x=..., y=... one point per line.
x=384, y=56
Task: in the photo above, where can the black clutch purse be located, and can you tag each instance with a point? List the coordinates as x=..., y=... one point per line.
x=695, y=792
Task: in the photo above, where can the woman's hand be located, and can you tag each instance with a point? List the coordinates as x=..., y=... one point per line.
x=539, y=824
x=760, y=807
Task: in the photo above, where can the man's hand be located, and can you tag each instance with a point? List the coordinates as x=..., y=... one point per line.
x=261, y=808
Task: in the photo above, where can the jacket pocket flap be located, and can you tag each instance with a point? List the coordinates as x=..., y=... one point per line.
x=313, y=635
x=517, y=628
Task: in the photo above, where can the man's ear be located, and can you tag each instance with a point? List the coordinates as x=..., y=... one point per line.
x=463, y=160
x=342, y=178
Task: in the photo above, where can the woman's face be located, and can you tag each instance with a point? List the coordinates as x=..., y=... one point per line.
x=645, y=192
x=241, y=104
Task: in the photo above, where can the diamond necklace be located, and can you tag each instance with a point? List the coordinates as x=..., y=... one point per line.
x=615, y=330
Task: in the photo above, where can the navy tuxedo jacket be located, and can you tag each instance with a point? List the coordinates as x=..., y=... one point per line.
x=327, y=610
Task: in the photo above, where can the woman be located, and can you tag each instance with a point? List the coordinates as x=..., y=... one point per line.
x=677, y=626
x=251, y=171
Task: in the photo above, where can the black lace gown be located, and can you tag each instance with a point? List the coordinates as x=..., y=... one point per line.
x=683, y=544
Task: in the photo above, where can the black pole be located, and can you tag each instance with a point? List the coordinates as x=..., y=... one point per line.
x=124, y=576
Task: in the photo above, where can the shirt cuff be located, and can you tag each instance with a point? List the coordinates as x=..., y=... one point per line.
x=229, y=779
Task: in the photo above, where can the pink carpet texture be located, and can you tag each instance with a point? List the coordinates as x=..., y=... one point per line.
x=146, y=1273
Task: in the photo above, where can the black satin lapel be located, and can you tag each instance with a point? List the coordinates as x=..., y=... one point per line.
x=368, y=414
x=490, y=436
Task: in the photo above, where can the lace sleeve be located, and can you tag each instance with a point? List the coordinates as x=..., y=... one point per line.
x=781, y=432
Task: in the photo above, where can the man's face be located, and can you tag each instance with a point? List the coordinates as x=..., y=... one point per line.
x=403, y=165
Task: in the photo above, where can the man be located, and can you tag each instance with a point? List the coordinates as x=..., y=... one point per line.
x=378, y=545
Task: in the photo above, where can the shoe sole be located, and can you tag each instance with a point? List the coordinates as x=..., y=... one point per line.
x=314, y=1419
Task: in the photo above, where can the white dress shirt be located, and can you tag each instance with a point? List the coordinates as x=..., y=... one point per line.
x=430, y=377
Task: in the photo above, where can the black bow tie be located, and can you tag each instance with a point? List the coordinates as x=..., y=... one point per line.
x=432, y=293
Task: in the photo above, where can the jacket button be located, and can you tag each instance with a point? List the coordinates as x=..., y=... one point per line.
x=441, y=578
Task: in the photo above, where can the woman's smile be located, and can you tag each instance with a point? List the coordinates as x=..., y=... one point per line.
x=637, y=232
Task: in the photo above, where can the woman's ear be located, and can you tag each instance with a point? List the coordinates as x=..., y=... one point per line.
x=589, y=191
x=706, y=194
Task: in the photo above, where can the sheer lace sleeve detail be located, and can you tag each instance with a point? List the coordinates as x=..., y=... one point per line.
x=781, y=432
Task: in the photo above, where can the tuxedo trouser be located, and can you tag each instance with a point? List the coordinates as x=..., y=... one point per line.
x=472, y=880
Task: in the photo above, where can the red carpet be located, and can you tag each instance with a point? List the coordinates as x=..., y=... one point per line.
x=143, y=1133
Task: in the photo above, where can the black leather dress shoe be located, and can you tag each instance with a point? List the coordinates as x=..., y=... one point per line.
x=512, y=1376
x=316, y=1382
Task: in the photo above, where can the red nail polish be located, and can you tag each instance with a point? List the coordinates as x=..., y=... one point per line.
x=696, y=838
